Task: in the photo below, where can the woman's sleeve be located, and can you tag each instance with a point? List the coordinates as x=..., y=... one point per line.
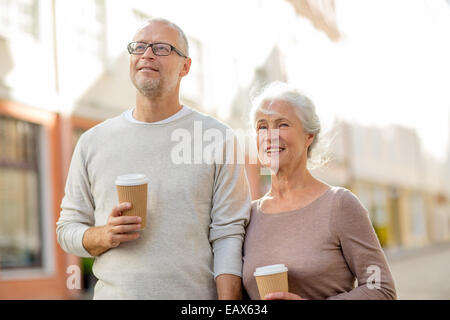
x=362, y=252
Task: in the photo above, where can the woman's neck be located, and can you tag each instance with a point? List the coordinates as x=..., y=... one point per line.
x=286, y=182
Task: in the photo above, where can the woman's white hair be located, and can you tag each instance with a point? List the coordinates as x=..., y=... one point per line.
x=303, y=107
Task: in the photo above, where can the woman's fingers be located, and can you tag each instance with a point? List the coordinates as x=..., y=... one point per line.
x=282, y=296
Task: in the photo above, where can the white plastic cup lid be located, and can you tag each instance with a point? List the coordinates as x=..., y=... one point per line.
x=268, y=270
x=133, y=179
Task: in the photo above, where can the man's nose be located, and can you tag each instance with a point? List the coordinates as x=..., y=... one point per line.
x=148, y=53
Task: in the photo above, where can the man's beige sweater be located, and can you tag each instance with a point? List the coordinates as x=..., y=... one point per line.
x=197, y=210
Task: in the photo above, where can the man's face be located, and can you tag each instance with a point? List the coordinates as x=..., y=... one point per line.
x=155, y=75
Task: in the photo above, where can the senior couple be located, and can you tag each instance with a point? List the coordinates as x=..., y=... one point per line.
x=204, y=237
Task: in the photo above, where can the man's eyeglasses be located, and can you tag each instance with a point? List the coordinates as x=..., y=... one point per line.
x=159, y=48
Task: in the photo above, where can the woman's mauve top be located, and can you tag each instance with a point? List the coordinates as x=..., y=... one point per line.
x=326, y=245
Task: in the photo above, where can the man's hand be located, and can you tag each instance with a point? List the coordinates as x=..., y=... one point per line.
x=97, y=240
x=229, y=287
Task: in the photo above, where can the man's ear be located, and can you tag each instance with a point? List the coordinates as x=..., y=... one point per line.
x=186, y=67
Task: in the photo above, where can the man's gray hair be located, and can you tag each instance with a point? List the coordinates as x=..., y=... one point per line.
x=181, y=33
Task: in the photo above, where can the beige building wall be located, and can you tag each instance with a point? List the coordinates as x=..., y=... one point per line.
x=27, y=60
x=403, y=191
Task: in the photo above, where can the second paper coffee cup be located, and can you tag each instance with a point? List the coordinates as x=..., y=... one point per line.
x=133, y=188
x=271, y=278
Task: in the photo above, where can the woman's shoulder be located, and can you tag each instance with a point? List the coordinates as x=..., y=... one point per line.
x=347, y=205
x=344, y=195
x=255, y=205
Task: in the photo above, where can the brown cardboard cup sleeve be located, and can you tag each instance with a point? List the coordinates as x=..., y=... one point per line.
x=133, y=188
x=273, y=278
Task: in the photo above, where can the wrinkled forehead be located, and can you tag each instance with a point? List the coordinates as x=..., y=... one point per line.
x=264, y=113
x=275, y=108
x=158, y=31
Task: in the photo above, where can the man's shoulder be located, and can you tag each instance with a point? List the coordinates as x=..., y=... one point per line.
x=101, y=129
x=209, y=121
x=105, y=125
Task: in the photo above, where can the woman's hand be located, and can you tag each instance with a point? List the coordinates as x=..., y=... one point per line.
x=282, y=296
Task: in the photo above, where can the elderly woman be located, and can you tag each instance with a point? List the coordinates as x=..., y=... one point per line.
x=321, y=233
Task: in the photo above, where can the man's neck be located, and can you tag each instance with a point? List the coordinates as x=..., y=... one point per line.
x=155, y=109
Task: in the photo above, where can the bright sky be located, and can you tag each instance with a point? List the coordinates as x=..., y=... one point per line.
x=392, y=66
x=406, y=47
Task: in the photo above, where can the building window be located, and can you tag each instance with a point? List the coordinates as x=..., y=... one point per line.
x=418, y=223
x=90, y=28
x=20, y=207
x=19, y=17
x=380, y=218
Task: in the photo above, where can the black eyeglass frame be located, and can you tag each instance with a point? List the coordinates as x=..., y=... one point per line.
x=172, y=48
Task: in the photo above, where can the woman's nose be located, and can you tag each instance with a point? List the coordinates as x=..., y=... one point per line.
x=270, y=137
x=273, y=133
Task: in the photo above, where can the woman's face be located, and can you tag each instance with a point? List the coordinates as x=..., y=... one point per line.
x=282, y=141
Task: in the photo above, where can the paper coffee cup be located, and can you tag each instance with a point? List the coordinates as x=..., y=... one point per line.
x=273, y=278
x=133, y=188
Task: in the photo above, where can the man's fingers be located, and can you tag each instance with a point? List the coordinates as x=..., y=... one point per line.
x=126, y=237
x=126, y=228
x=123, y=220
x=119, y=225
x=117, y=210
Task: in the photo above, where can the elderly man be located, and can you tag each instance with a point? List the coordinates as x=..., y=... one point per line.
x=197, y=212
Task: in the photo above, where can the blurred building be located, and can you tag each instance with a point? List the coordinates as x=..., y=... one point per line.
x=64, y=68
x=404, y=190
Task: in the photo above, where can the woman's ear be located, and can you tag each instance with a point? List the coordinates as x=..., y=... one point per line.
x=310, y=139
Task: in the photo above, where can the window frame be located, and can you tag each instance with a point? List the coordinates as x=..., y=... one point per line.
x=48, y=166
x=27, y=164
x=16, y=33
